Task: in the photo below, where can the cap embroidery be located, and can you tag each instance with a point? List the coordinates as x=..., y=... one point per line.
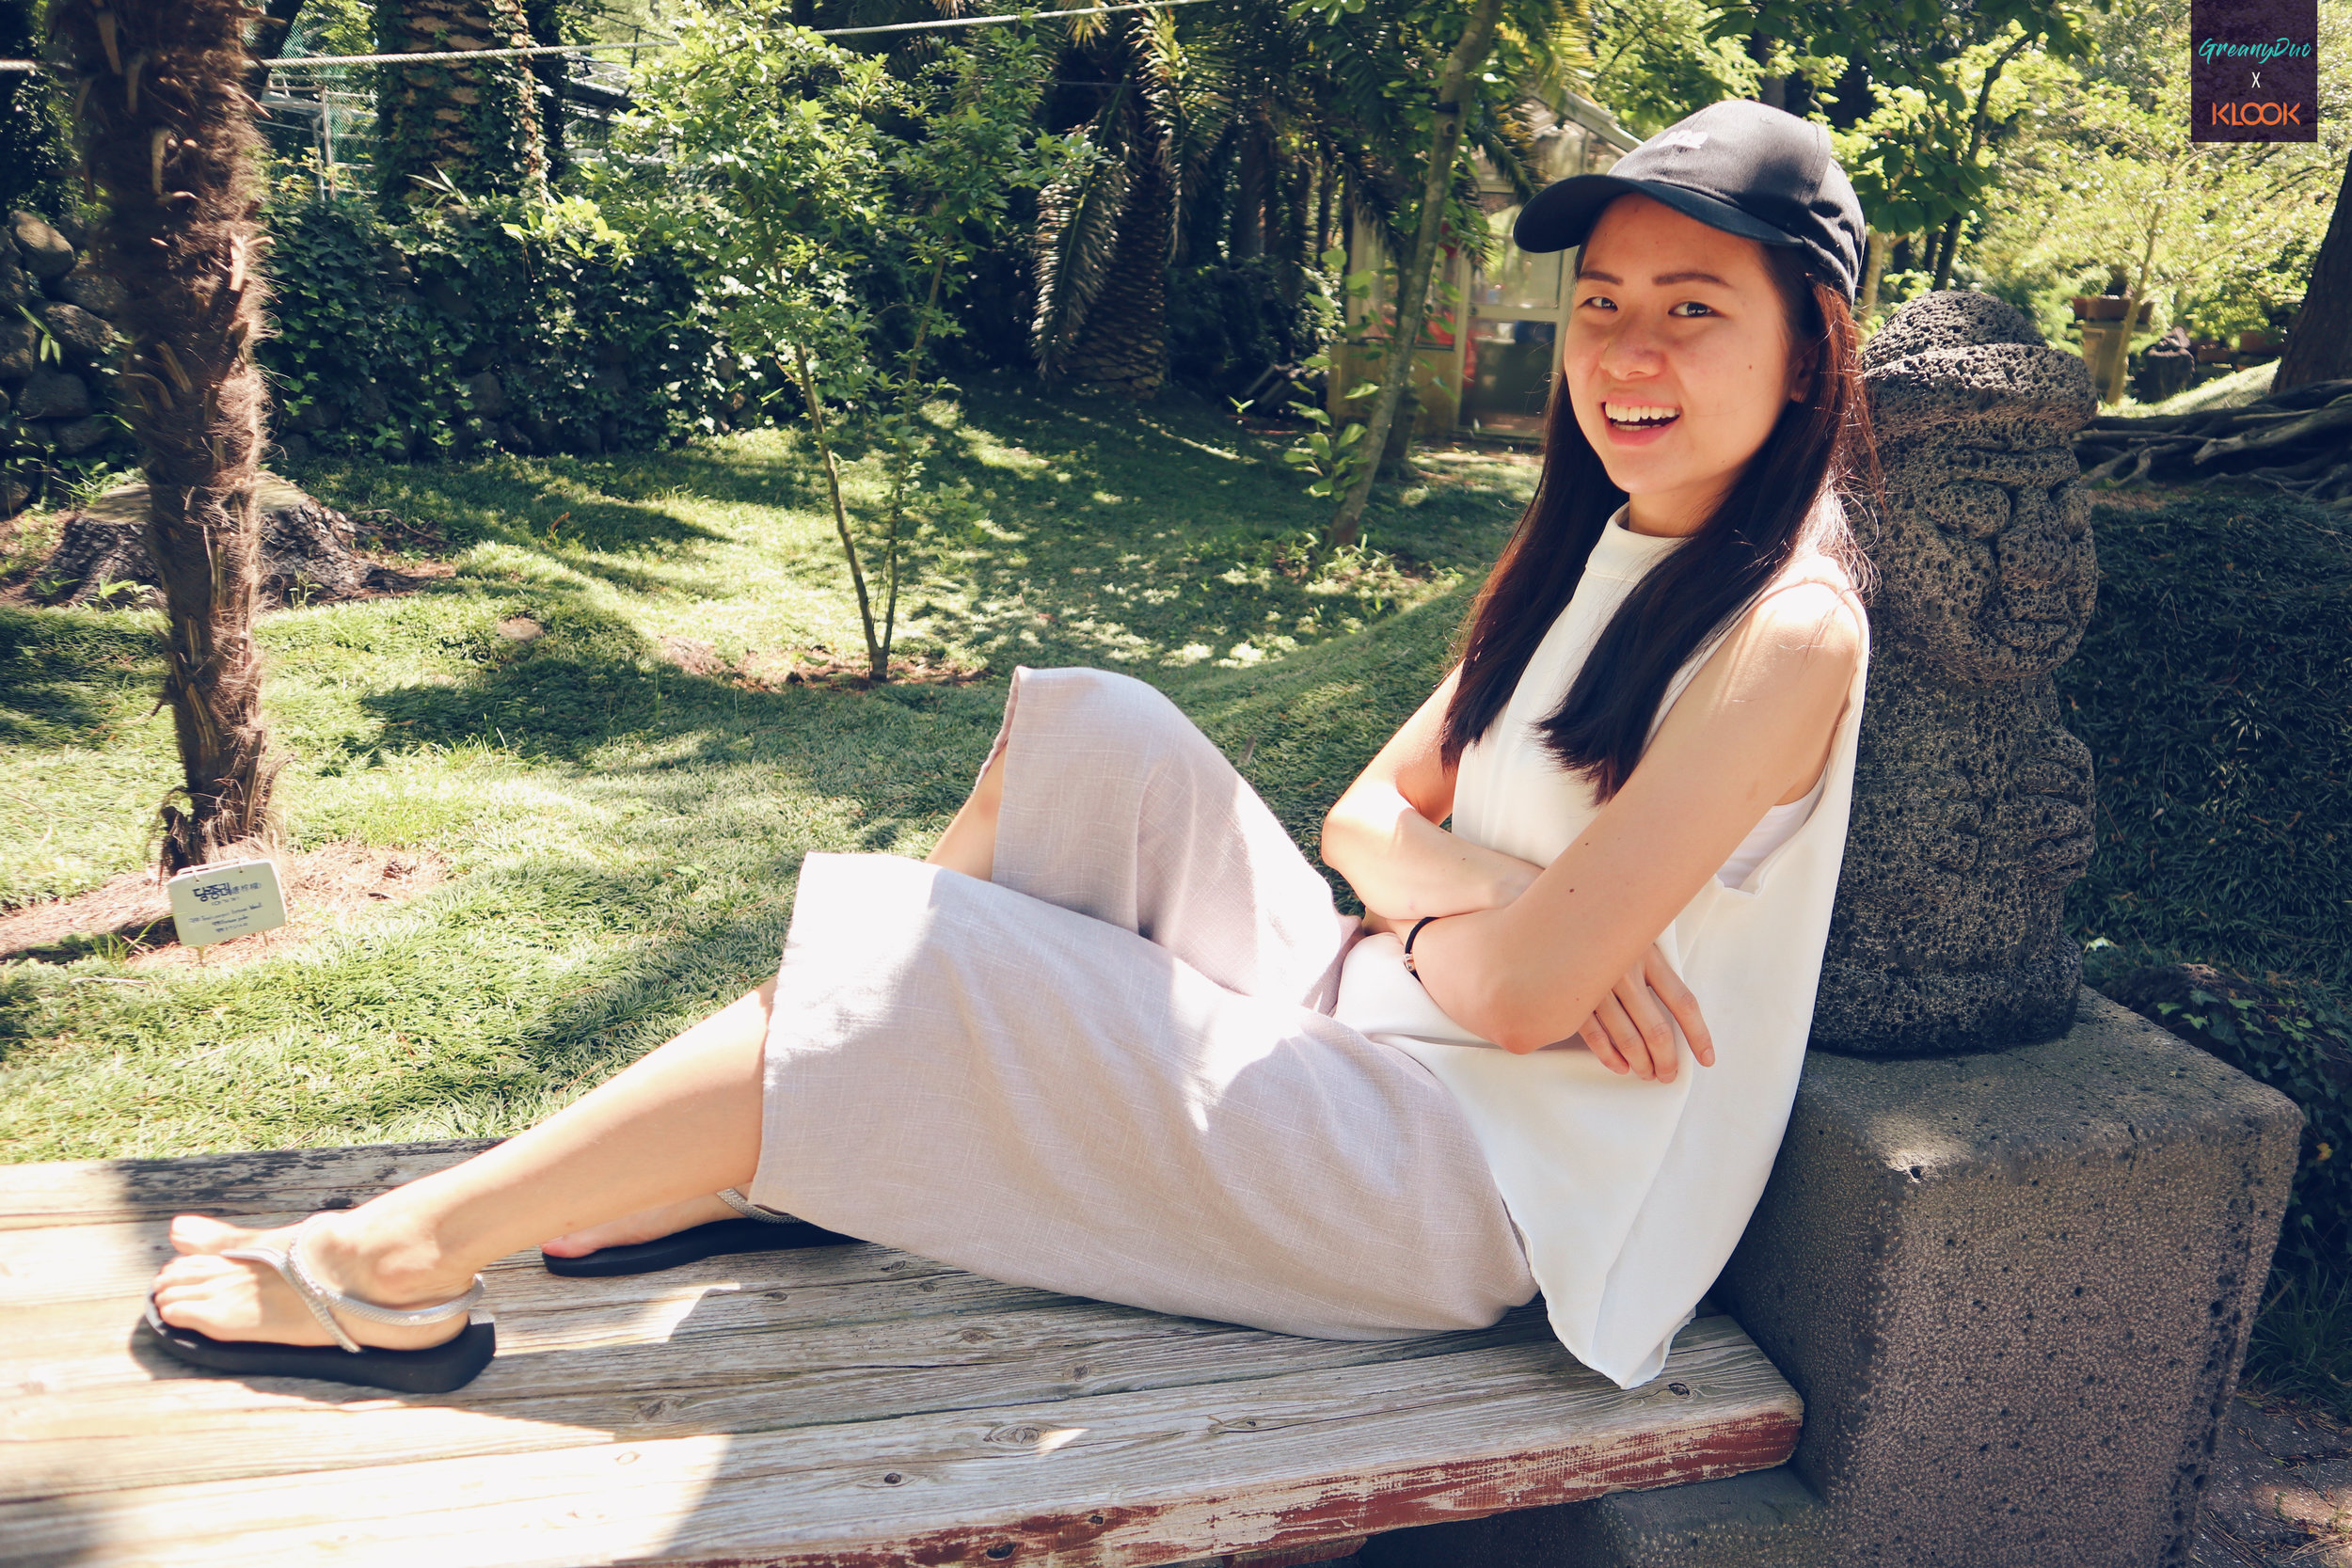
x=1691, y=139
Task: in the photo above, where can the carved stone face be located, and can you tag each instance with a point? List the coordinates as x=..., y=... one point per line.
x=1972, y=809
x=1987, y=568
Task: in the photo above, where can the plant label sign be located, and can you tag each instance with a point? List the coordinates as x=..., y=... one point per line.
x=219, y=903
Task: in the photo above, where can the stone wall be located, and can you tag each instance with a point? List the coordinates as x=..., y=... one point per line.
x=55, y=344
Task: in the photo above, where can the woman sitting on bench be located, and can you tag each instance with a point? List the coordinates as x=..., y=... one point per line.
x=1114, y=1039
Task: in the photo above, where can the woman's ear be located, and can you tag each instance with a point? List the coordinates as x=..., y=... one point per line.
x=1801, y=379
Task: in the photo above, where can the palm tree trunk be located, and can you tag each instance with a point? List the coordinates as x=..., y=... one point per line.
x=1445, y=143
x=472, y=124
x=1122, y=345
x=2319, y=344
x=168, y=140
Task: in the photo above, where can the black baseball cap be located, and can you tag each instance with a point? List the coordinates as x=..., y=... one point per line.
x=1744, y=168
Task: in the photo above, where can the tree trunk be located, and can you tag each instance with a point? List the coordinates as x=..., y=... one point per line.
x=1122, y=346
x=1326, y=186
x=2319, y=344
x=1949, y=251
x=1249, y=200
x=1445, y=143
x=1771, y=91
x=168, y=140
x=548, y=72
x=473, y=124
x=1873, y=270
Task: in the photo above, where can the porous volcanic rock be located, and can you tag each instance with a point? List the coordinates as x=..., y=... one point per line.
x=52, y=395
x=45, y=252
x=1972, y=809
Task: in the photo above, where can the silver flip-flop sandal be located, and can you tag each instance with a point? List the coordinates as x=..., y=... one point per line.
x=434, y=1370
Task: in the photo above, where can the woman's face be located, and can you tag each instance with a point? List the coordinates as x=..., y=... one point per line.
x=1677, y=359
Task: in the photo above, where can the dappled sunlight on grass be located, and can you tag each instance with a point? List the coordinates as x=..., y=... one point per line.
x=623, y=822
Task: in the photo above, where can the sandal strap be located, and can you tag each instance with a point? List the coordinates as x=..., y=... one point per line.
x=324, y=1302
x=733, y=1197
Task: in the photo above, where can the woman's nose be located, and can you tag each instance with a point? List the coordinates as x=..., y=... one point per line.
x=1630, y=348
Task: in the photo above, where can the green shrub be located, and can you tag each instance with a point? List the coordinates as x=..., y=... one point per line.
x=2215, y=691
x=530, y=326
x=1226, y=323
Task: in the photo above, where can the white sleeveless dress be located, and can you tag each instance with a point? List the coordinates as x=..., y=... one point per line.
x=1627, y=1194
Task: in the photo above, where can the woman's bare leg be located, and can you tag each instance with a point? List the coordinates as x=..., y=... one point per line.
x=671, y=1129
x=637, y=1158
x=969, y=845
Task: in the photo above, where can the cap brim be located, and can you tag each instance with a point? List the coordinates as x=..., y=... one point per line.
x=1562, y=215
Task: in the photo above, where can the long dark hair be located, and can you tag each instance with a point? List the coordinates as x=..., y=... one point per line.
x=1768, y=512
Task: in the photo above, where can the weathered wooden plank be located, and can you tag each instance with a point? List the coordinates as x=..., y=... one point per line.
x=66, y=1265
x=1115, y=1481
x=91, y=1192
x=87, y=1433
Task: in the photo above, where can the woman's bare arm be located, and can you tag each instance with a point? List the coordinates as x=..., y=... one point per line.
x=1754, y=728
x=1383, y=835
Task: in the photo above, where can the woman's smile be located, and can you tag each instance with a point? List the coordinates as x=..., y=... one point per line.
x=1638, y=423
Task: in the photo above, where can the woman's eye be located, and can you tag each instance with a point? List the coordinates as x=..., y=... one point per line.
x=1689, y=305
x=1601, y=300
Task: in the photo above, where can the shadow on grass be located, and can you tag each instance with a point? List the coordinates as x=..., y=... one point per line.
x=59, y=668
x=1044, y=532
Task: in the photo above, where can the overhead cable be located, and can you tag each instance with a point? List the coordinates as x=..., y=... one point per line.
x=303, y=61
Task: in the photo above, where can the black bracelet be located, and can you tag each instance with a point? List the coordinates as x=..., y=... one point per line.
x=1410, y=968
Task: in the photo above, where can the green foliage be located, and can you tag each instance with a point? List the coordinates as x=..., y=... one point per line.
x=847, y=205
x=2215, y=691
x=384, y=327
x=2303, y=1343
x=1654, y=65
x=2103, y=177
x=36, y=146
x=1226, y=323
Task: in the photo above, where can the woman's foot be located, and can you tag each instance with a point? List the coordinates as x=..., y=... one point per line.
x=228, y=1299
x=646, y=1225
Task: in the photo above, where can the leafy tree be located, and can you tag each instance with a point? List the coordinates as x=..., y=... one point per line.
x=1653, y=63
x=168, y=137
x=1452, y=79
x=843, y=207
x=1916, y=81
x=2223, y=234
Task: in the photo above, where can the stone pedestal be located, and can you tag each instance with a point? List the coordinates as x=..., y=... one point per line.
x=2014, y=1290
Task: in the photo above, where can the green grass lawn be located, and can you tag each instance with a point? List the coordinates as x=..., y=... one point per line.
x=623, y=834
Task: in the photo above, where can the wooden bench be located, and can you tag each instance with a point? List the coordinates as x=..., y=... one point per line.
x=841, y=1405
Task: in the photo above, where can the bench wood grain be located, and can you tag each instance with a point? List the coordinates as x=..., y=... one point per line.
x=837, y=1407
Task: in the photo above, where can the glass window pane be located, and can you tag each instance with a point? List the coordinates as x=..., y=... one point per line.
x=1518, y=281
x=1508, y=374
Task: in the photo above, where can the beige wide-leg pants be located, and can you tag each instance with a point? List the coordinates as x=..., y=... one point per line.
x=1110, y=1071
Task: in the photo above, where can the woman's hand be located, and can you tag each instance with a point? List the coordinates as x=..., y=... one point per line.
x=1630, y=1031
x=1384, y=835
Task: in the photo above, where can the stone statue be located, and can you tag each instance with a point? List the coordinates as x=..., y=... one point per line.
x=1972, y=809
